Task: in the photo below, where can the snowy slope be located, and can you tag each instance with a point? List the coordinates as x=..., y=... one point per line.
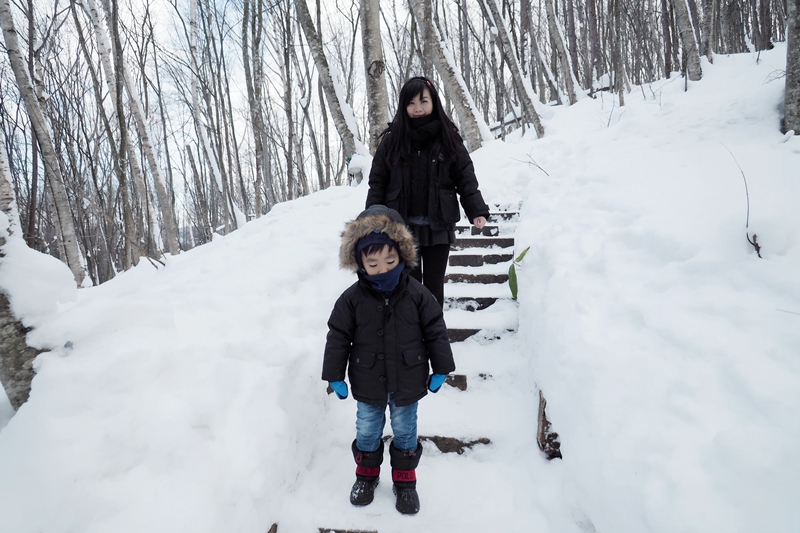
x=190, y=398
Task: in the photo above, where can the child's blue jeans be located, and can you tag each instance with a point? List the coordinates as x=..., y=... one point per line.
x=370, y=421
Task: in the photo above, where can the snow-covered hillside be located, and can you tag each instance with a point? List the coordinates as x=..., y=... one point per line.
x=188, y=398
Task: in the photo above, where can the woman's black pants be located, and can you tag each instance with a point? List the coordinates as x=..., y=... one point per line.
x=431, y=268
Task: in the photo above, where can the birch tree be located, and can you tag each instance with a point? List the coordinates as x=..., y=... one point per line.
x=521, y=84
x=137, y=110
x=124, y=152
x=52, y=167
x=31, y=229
x=338, y=107
x=557, y=37
x=467, y=114
x=374, y=69
x=709, y=11
x=691, y=53
x=228, y=209
x=252, y=27
x=16, y=357
x=792, y=101
x=164, y=203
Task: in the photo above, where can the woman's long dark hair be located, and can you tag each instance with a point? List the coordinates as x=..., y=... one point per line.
x=399, y=145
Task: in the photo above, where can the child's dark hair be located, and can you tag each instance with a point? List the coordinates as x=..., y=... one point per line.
x=377, y=248
x=399, y=145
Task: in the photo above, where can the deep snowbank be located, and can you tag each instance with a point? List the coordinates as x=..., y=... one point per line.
x=191, y=401
x=667, y=349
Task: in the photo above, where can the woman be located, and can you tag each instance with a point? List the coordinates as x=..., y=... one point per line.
x=419, y=167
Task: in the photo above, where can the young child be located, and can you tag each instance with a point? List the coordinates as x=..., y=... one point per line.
x=385, y=330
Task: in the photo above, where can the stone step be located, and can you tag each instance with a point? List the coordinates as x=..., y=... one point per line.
x=470, y=260
x=453, y=445
x=462, y=334
x=449, y=444
x=468, y=303
x=337, y=530
x=475, y=278
x=486, y=231
x=503, y=216
x=473, y=290
x=483, y=242
x=457, y=381
x=498, y=318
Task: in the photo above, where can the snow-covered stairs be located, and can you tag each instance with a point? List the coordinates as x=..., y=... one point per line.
x=477, y=296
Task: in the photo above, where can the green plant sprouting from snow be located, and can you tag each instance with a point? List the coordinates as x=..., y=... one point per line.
x=512, y=273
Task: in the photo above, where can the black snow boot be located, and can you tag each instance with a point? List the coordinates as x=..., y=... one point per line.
x=368, y=470
x=404, y=476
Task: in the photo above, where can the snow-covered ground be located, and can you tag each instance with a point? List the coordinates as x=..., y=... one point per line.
x=188, y=398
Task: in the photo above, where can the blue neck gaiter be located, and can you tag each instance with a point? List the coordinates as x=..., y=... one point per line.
x=386, y=282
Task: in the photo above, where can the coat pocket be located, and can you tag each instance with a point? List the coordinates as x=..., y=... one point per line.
x=362, y=360
x=448, y=206
x=414, y=357
x=393, y=198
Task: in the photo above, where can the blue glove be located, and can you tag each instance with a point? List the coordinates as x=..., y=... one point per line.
x=339, y=388
x=436, y=381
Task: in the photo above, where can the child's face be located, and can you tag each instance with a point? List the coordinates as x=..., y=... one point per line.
x=381, y=262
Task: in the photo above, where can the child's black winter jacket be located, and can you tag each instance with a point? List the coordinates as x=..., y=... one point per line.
x=387, y=344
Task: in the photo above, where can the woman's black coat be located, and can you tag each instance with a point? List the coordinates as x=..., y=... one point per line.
x=387, y=344
x=389, y=185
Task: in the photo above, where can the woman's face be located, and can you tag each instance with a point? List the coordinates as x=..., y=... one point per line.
x=420, y=105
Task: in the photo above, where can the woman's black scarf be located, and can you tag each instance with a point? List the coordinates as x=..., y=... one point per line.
x=423, y=131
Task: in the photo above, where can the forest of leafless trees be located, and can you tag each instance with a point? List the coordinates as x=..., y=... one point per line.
x=133, y=129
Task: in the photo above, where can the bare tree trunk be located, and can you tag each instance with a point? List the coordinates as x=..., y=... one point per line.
x=105, y=51
x=686, y=31
x=573, y=38
x=522, y=85
x=708, y=29
x=32, y=208
x=8, y=202
x=560, y=48
x=426, y=36
x=252, y=27
x=466, y=65
x=16, y=357
x=164, y=202
x=205, y=144
x=766, y=25
x=467, y=113
x=338, y=106
x=124, y=154
x=594, y=42
x=39, y=125
x=201, y=198
x=666, y=30
x=755, y=26
x=324, y=113
x=375, y=68
x=792, y=102
x=696, y=23
x=616, y=61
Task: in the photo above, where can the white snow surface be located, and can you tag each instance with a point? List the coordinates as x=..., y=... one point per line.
x=668, y=351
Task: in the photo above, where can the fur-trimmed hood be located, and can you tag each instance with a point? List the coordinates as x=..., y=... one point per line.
x=385, y=220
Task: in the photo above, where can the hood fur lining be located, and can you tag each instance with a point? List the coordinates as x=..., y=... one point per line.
x=356, y=229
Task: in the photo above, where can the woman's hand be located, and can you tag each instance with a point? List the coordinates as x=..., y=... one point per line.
x=479, y=222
